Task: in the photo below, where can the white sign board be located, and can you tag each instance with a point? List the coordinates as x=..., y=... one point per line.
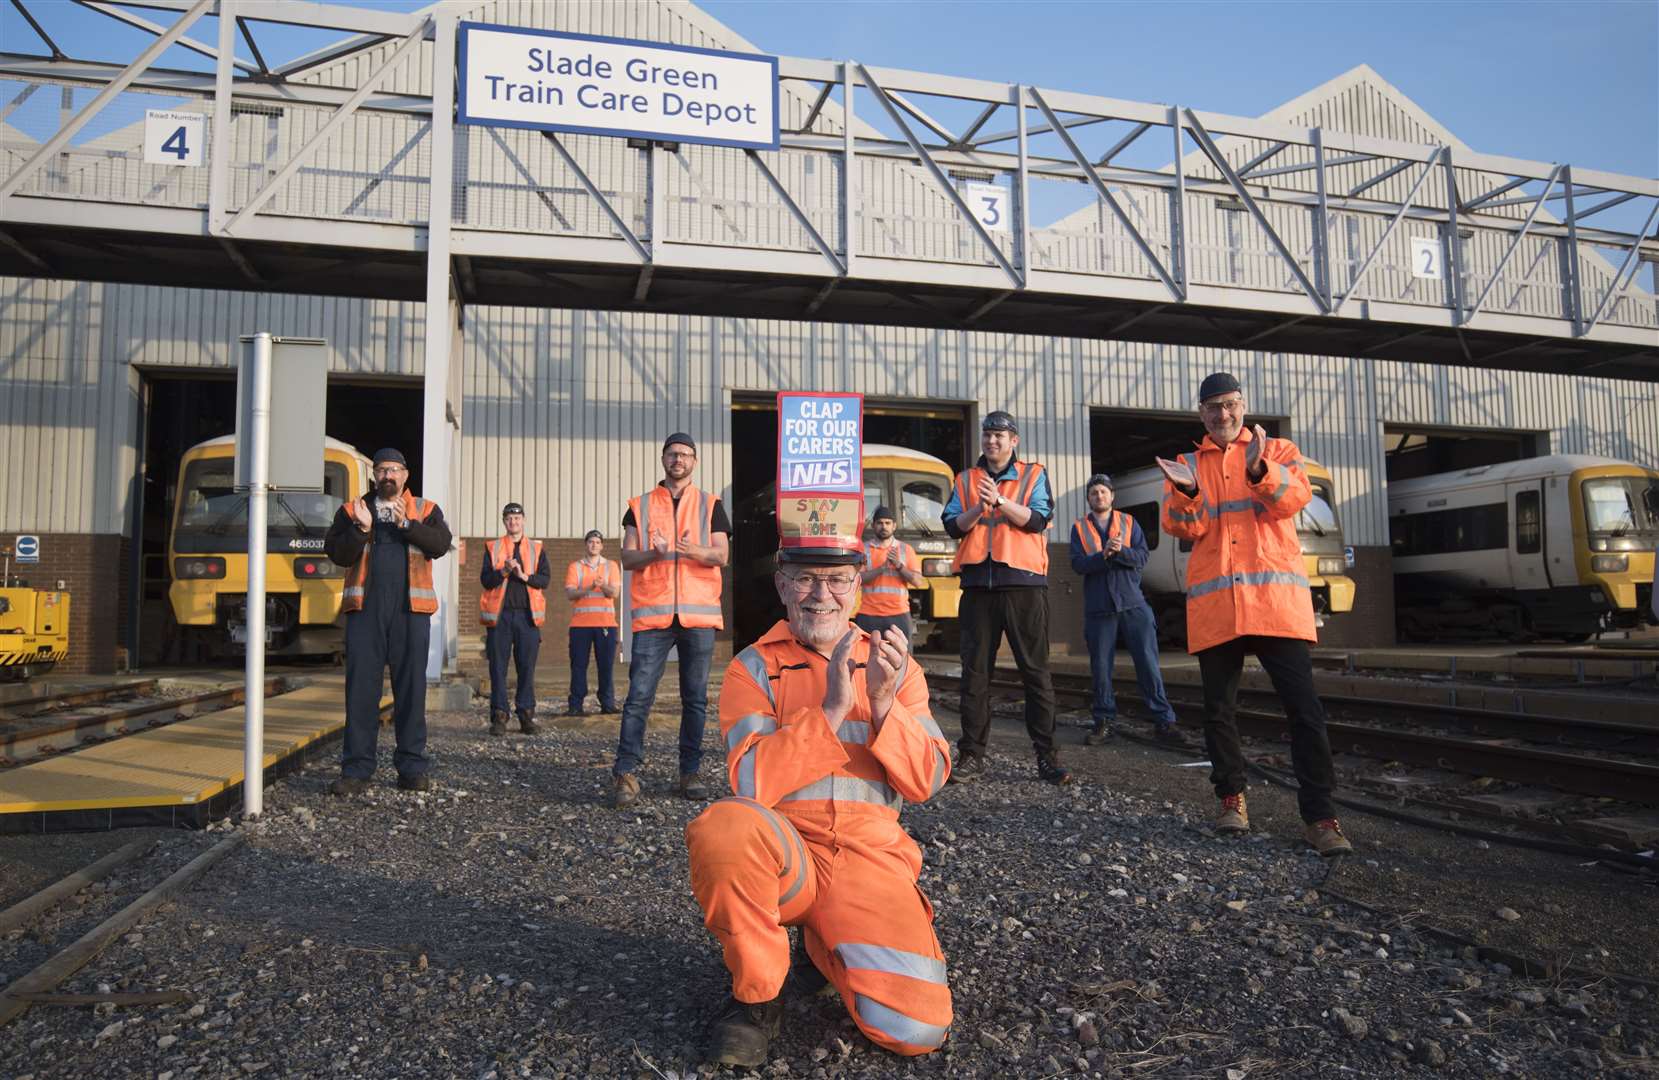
x=27, y=549
x=1425, y=258
x=512, y=77
x=989, y=203
x=174, y=138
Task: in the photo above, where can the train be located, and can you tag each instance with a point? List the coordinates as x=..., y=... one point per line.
x=1140, y=495
x=34, y=626
x=1560, y=546
x=207, y=555
x=916, y=486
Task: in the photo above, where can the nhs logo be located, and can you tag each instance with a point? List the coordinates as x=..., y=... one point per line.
x=825, y=474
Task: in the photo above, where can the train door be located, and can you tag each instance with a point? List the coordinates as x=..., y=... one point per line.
x=1528, y=550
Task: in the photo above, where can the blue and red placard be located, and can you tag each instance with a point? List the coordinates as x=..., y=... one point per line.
x=820, y=470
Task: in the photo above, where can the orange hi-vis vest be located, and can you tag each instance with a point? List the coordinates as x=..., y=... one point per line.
x=993, y=535
x=1117, y=524
x=423, y=598
x=593, y=607
x=887, y=594
x=671, y=586
x=1246, y=575
x=490, y=600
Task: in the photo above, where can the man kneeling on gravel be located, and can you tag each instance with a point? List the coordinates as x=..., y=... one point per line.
x=827, y=733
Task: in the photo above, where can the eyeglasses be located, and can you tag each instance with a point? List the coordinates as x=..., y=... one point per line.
x=679, y=455
x=1215, y=408
x=837, y=584
x=388, y=470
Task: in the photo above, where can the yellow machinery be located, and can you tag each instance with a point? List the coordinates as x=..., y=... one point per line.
x=34, y=627
x=208, y=561
x=1320, y=532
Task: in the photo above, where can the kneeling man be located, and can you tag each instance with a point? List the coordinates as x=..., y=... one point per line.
x=827, y=734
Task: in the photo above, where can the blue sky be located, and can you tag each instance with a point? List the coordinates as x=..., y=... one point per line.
x=1575, y=82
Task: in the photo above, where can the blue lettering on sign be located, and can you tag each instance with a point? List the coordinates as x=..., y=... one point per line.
x=175, y=145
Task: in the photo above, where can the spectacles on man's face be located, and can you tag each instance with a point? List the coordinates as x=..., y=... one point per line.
x=678, y=455
x=388, y=470
x=1216, y=408
x=837, y=584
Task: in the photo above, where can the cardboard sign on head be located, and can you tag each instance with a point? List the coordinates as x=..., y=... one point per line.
x=820, y=478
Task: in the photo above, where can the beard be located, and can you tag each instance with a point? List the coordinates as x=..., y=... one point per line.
x=387, y=489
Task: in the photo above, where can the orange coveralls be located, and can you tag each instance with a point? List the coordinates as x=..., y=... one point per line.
x=812, y=839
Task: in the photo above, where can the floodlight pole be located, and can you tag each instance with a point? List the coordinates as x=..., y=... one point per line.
x=259, y=447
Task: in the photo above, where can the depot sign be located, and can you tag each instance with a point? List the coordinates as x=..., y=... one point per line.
x=512, y=77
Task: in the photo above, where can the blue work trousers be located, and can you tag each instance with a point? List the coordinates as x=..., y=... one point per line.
x=601, y=642
x=650, y=654
x=382, y=635
x=1139, y=630
x=515, y=637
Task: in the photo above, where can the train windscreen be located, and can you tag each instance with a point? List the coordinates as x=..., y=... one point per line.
x=213, y=515
x=1316, y=523
x=1617, y=512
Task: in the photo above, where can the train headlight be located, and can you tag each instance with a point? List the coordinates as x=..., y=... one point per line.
x=1333, y=567
x=194, y=569
x=936, y=568
x=315, y=566
x=1610, y=564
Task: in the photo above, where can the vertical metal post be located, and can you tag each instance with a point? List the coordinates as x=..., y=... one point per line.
x=259, y=445
x=436, y=444
x=218, y=162
x=1321, y=222
x=1022, y=190
x=1454, y=243
x=1575, y=294
x=1178, y=249
x=849, y=170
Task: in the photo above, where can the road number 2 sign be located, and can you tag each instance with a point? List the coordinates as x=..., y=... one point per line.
x=174, y=138
x=1425, y=258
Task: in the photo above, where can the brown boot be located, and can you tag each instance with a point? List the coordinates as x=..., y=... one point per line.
x=1326, y=837
x=498, y=722
x=743, y=1033
x=527, y=724
x=692, y=788
x=627, y=791
x=1234, y=816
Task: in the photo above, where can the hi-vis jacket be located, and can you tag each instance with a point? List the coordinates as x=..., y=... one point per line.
x=427, y=538
x=490, y=600
x=1245, y=576
x=888, y=594
x=593, y=607
x=993, y=536
x=674, y=587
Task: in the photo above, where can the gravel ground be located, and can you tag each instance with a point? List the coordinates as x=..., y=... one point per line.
x=509, y=924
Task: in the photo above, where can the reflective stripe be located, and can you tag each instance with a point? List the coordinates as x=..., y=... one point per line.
x=929, y=724
x=755, y=664
x=657, y=609
x=642, y=518
x=1261, y=577
x=1284, y=482
x=1231, y=506
x=1182, y=515
x=897, y=1026
x=746, y=773
x=868, y=589
x=845, y=789
x=753, y=722
x=892, y=962
x=354, y=592
x=705, y=513
x=489, y=618
x=938, y=780
x=694, y=609
x=789, y=842
x=422, y=594
x=856, y=732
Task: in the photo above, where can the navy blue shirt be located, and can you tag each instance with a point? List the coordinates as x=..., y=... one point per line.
x=991, y=574
x=1110, y=584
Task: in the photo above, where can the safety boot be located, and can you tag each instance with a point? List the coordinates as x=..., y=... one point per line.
x=1235, y=816
x=1100, y=733
x=691, y=788
x=527, y=723
x=1171, y=736
x=348, y=785
x=498, y=721
x=1050, y=771
x=411, y=782
x=627, y=791
x=1327, y=838
x=968, y=768
x=743, y=1032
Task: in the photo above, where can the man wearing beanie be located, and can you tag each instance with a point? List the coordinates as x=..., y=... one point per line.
x=513, y=607
x=1236, y=498
x=386, y=542
x=591, y=584
x=891, y=569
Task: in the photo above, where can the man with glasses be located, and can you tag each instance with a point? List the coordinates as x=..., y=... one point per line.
x=999, y=511
x=386, y=541
x=827, y=734
x=1236, y=498
x=513, y=607
x=675, y=539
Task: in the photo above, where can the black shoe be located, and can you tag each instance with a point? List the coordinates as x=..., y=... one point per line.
x=405, y=782
x=806, y=978
x=610, y=710
x=742, y=1033
x=968, y=768
x=1099, y=734
x=527, y=725
x=1051, y=771
x=1170, y=735
x=348, y=785
x=498, y=722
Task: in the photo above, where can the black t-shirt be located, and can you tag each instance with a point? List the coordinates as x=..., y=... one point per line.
x=720, y=524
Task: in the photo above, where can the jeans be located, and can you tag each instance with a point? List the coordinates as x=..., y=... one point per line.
x=516, y=637
x=984, y=616
x=1290, y=667
x=1139, y=629
x=644, y=671
x=601, y=641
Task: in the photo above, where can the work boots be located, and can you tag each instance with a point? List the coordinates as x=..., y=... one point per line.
x=527, y=724
x=347, y=786
x=1100, y=733
x=1326, y=837
x=1234, y=817
x=498, y=721
x=1050, y=771
x=968, y=768
x=743, y=1032
x=692, y=788
x=627, y=791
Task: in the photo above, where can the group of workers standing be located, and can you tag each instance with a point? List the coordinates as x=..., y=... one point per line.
x=826, y=720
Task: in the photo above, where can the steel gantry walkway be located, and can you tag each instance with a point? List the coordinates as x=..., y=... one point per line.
x=344, y=172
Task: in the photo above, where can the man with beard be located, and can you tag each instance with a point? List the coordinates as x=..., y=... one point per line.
x=513, y=607
x=386, y=541
x=891, y=570
x=675, y=539
x=591, y=584
x=1236, y=498
x=827, y=734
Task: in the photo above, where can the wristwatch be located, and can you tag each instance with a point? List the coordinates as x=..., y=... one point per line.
x=1000, y=500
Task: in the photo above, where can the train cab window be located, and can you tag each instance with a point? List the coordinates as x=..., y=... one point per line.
x=922, y=499
x=1529, y=532
x=1318, y=518
x=1146, y=516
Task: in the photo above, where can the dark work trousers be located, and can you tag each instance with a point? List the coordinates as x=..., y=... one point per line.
x=984, y=616
x=1289, y=666
x=386, y=633
x=875, y=624
x=601, y=641
x=516, y=633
